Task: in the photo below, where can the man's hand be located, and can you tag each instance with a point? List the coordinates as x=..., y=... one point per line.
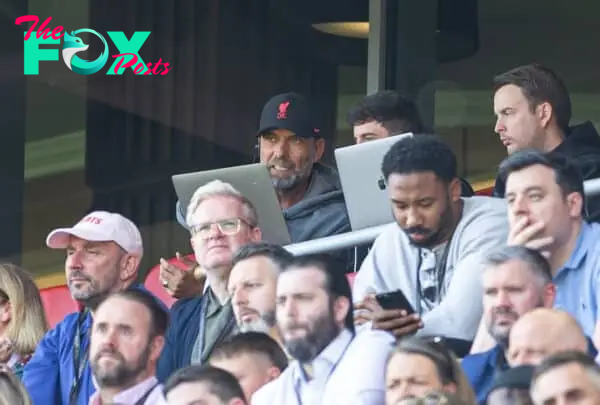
x=396, y=321
x=182, y=283
x=530, y=234
x=6, y=350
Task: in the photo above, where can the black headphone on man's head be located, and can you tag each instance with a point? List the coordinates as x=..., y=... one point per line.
x=256, y=153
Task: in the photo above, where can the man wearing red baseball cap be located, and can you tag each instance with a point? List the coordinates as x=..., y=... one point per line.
x=103, y=253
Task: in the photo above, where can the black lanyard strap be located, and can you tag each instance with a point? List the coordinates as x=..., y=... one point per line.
x=79, y=361
x=143, y=399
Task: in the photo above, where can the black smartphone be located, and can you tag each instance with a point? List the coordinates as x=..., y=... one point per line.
x=395, y=300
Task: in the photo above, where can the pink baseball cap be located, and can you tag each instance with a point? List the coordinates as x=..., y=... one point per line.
x=100, y=226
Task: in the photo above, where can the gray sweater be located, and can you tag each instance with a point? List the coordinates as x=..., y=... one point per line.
x=393, y=260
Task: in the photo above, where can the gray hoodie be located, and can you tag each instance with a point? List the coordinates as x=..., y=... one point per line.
x=322, y=211
x=393, y=263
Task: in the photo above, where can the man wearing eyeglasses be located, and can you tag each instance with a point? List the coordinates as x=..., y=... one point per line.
x=220, y=220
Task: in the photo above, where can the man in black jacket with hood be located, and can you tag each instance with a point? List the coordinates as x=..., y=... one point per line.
x=533, y=110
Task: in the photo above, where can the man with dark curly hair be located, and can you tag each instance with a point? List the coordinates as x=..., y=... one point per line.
x=434, y=253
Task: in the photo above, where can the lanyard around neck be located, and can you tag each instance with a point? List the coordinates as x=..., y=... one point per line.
x=79, y=360
x=297, y=384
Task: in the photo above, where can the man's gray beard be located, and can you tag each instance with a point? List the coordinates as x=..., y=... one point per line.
x=255, y=326
x=286, y=184
x=289, y=183
x=263, y=324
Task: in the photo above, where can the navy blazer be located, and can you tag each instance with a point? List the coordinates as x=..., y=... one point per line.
x=180, y=338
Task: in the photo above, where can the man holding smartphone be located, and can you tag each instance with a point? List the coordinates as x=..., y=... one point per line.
x=432, y=258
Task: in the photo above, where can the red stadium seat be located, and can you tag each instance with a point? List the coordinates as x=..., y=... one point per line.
x=57, y=303
x=485, y=191
x=153, y=284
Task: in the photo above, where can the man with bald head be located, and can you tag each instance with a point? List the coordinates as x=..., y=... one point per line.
x=541, y=333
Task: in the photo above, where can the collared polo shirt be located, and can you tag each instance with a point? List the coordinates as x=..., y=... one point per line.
x=578, y=281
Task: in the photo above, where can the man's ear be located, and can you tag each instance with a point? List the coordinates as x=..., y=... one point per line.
x=273, y=373
x=238, y=401
x=575, y=203
x=544, y=113
x=129, y=266
x=319, y=148
x=156, y=347
x=256, y=234
x=455, y=189
x=341, y=306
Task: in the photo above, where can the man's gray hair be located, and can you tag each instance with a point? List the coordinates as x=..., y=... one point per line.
x=218, y=188
x=536, y=263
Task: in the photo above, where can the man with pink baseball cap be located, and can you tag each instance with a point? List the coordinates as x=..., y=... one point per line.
x=103, y=254
x=100, y=226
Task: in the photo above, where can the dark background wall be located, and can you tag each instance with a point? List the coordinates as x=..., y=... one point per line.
x=228, y=58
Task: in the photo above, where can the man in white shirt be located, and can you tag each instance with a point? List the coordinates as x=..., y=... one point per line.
x=435, y=252
x=126, y=340
x=332, y=365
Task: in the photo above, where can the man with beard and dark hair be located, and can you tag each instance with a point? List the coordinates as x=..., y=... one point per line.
x=433, y=254
x=128, y=335
x=515, y=280
x=333, y=365
x=252, y=284
x=103, y=253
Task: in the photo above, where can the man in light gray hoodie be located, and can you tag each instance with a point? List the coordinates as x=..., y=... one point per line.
x=434, y=253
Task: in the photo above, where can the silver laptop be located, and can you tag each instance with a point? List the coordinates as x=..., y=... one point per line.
x=254, y=182
x=359, y=167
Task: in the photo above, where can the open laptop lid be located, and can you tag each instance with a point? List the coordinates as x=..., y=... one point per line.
x=254, y=182
x=359, y=167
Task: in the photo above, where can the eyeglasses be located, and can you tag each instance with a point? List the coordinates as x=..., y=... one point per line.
x=227, y=227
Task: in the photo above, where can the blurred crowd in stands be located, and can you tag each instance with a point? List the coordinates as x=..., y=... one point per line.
x=464, y=299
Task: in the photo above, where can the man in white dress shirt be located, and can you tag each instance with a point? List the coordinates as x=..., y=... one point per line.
x=333, y=365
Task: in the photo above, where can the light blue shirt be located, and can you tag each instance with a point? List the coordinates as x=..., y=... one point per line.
x=350, y=370
x=578, y=282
